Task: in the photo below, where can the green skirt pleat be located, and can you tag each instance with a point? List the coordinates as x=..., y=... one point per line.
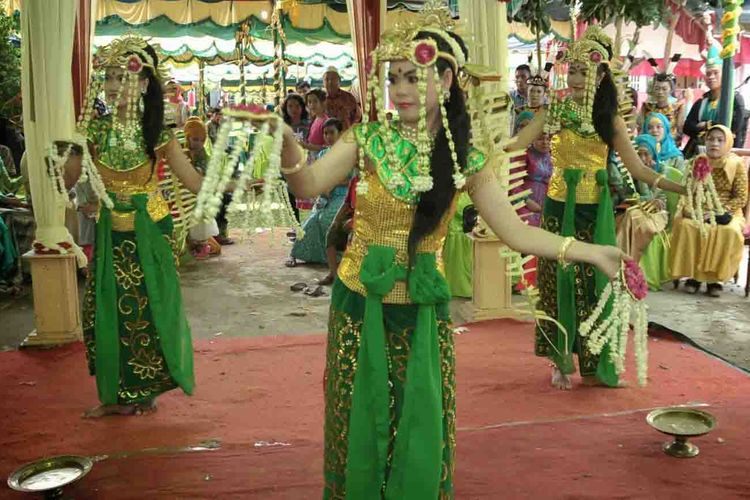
x=582, y=293
x=141, y=370
x=345, y=325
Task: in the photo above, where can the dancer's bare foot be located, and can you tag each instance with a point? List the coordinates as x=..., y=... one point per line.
x=145, y=407
x=105, y=410
x=125, y=410
x=560, y=380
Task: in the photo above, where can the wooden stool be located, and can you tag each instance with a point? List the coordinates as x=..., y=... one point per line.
x=491, y=285
x=56, y=306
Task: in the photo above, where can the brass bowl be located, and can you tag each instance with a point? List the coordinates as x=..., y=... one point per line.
x=681, y=423
x=48, y=475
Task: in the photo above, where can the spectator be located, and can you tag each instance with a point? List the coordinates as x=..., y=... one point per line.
x=523, y=73
x=705, y=112
x=213, y=124
x=302, y=87
x=340, y=103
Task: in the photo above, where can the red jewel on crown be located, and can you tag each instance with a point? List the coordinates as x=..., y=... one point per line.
x=701, y=169
x=425, y=53
x=635, y=280
x=134, y=64
x=596, y=57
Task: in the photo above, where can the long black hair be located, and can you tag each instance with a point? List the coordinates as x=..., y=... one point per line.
x=152, y=120
x=301, y=101
x=606, y=103
x=433, y=204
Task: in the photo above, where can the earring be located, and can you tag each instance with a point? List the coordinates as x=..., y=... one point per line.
x=446, y=95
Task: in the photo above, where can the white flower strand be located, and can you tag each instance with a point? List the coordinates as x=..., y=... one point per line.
x=613, y=330
x=701, y=197
x=218, y=174
x=238, y=196
x=459, y=180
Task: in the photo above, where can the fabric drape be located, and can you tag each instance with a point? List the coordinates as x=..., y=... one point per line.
x=365, y=25
x=47, y=31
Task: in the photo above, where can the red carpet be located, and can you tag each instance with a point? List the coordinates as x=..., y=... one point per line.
x=518, y=438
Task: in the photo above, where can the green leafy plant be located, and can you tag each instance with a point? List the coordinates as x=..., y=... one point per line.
x=10, y=60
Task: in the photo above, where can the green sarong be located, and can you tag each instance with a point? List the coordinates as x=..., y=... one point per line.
x=137, y=337
x=367, y=395
x=570, y=295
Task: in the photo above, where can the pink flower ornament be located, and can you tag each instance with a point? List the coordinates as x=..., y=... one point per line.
x=701, y=169
x=596, y=57
x=134, y=64
x=635, y=280
x=425, y=53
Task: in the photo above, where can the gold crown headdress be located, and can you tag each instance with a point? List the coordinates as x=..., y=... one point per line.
x=402, y=43
x=592, y=49
x=128, y=53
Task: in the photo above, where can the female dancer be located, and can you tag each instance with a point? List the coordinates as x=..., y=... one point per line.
x=389, y=379
x=137, y=338
x=585, y=125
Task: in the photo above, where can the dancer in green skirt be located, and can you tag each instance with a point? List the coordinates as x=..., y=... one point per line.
x=137, y=338
x=389, y=377
x=585, y=126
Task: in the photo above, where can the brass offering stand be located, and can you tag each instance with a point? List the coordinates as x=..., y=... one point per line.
x=681, y=423
x=48, y=476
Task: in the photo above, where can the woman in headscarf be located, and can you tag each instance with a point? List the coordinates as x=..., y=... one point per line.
x=647, y=216
x=657, y=125
x=716, y=257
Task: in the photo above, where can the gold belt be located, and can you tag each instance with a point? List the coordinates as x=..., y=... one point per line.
x=156, y=206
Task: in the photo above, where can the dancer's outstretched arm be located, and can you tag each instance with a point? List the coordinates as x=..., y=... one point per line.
x=493, y=205
x=323, y=175
x=633, y=163
x=182, y=167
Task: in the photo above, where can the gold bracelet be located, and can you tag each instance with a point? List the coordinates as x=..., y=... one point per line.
x=561, y=253
x=299, y=166
x=293, y=170
x=658, y=179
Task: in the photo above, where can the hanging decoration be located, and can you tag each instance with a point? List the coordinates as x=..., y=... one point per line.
x=260, y=198
x=627, y=292
x=702, y=200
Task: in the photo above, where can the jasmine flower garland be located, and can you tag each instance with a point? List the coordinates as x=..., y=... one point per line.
x=248, y=210
x=701, y=192
x=218, y=174
x=627, y=292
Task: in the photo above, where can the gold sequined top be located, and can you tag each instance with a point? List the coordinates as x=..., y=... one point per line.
x=126, y=173
x=571, y=149
x=382, y=217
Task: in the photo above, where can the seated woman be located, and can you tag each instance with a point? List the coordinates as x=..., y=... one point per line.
x=657, y=125
x=716, y=257
x=538, y=171
x=311, y=248
x=645, y=216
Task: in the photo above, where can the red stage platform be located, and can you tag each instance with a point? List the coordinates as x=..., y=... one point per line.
x=259, y=403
